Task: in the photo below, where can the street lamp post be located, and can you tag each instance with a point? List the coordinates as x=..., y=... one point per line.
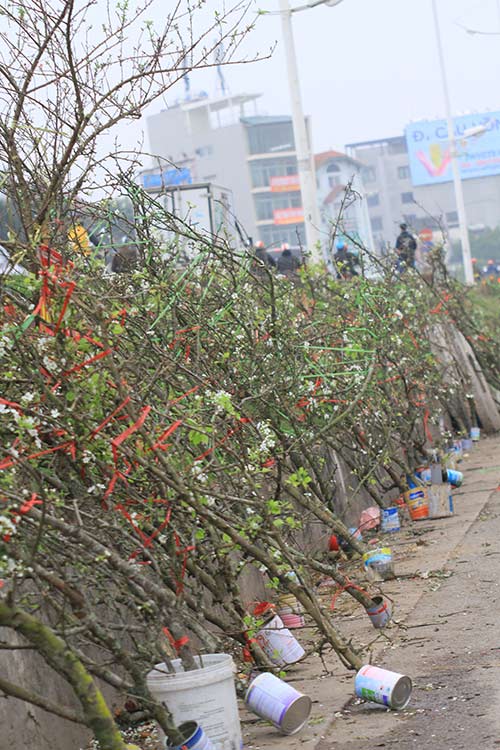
x=457, y=181
x=304, y=157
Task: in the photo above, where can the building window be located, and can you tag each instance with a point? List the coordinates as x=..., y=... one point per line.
x=267, y=203
x=271, y=137
x=262, y=170
x=397, y=146
x=333, y=179
x=407, y=198
x=404, y=172
x=272, y=236
x=368, y=174
x=333, y=168
x=452, y=217
x=204, y=151
x=373, y=199
x=377, y=224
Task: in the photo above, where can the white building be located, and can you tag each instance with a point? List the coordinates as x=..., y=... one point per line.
x=342, y=203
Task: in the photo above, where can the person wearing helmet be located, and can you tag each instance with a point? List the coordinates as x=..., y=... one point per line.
x=344, y=260
x=476, y=270
x=261, y=256
x=490, y=271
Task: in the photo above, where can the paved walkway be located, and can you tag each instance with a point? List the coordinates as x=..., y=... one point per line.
x=446, y=637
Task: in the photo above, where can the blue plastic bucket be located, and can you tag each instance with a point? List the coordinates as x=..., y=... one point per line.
x=466, y=444
x=390, y=520
x=455, y=478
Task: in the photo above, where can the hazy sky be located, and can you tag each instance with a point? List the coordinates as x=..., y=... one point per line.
x=368, y=67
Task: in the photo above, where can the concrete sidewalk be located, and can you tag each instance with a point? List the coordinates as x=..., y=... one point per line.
x=422, y=551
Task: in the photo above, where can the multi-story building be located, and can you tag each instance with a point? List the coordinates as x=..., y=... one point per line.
x=392, y=197
x=341, y=198
x=219, y=141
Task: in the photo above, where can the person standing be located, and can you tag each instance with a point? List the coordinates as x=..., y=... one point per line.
x=406, y=246
x=261, y=254
x=345, y=261
x=287, y=263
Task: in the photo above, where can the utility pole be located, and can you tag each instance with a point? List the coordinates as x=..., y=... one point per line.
x=457, y=180
x=304, y=157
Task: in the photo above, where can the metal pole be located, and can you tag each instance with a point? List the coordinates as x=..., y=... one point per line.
x=457, y=182
x=304, y=158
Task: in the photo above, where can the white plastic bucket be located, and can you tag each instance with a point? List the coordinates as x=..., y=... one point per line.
x=278, y=643
x=206, y=695
x=382, y=686
x=195, y=738
x=390, y=520
x=275, y=700
x=475, y=434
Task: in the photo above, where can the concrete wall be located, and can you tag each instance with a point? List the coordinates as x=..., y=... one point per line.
x=25, y=727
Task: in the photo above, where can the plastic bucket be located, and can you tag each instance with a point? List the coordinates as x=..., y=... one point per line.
x=195, y=738
x=424, y=473
x=475, y=434
x=278, y=643
x=417, y=503
x=275, y=700
x=440, y=501
x=379, y=562
x=457, y=447
x=455, y=478
x=380, y=613
x=390, y=520
x=208, y=693
x=466, y=444
x=382, y=686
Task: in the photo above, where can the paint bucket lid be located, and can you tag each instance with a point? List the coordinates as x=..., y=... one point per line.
x=401, y=693
x=296, y=715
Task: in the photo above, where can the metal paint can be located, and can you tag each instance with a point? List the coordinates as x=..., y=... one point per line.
x=278, y=643
x=380, y=613
x=455, y=478
x=290, y=611
x=275, y=700
x=379, y=561
x=475, y=434
x=196, y=739
x=390, y=520
x=382, y=686
x=417, y=502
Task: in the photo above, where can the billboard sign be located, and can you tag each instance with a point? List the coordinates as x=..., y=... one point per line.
x=429, y=151
x=284, y=183
x=167, y=178
x=288, y=215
